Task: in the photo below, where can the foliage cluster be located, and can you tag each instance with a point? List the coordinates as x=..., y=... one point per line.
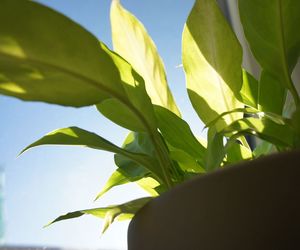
x=45, y=56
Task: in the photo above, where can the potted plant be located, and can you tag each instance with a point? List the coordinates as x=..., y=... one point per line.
x=129, y=87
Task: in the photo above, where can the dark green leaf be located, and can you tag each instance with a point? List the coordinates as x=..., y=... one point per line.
x=139, y=143
x=295, y=123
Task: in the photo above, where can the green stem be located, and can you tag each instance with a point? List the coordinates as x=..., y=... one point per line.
x=292, y=89
x=161, y=151
x=163, y=158
x=287, y=77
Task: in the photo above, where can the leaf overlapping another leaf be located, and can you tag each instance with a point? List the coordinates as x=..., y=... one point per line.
x=131, y=41
x=75, y=70
x=79, y=137
x=213, y=69
x=271, y=28
x=110, y=213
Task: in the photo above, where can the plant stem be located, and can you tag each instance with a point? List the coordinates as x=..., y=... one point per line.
x=293, y=90
x=164, y=161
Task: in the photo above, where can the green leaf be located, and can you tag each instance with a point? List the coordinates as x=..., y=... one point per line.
x=131, y=41
x=110, y=213
x=269, y=85
x=212, y=58
x=215, y=149
x=149, y=184
x=115, y=179
x=136, y=99
x=79, y=137
x=237, y=152
x=272, y=30
x=263, y=148
x=295, y=124
x=128, y=174
x=249, y=91
x=178, y=134
x=218, y=153
x=131, y=171
x=66, y=66
x=119, y=113
x=141, y=105
x=39, y=62
x=186, y=162
x=250, y=112
x=278, y=134
x=139, y=143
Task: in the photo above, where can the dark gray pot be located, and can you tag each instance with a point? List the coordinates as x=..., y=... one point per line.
x=253, y=205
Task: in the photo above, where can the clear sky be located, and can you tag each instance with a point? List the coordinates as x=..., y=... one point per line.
x=49, y=181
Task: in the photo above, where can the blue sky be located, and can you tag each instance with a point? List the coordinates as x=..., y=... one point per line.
x=49, y=181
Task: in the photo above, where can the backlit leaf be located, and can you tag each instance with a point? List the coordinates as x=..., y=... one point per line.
x=249, y=91
x=272, y=94
x=215, y=149
x=237, y=152
x=66, y=66
x=212, y=58
x=178, y=134
x=278, y=134
x=79, y=137
x=272, y=30
x=110, y=213
x=131, y=41
x=39, y=62
x=115, y=179
x=187, y=162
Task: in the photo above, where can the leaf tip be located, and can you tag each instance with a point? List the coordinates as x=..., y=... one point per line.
x=48, y=224
x=23, y=151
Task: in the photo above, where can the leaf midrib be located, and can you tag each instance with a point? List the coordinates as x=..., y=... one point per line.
x=283, y=58
x=98, y=85
x=88, y=80
x=217, y=69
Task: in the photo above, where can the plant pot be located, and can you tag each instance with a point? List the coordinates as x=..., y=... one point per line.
x=253, y=205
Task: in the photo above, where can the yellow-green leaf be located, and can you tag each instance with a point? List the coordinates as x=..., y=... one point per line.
x=41, y=62
x=212, y=58
x=131, y=41
x=272, y=30
x=110, y=213
x=79, y=137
